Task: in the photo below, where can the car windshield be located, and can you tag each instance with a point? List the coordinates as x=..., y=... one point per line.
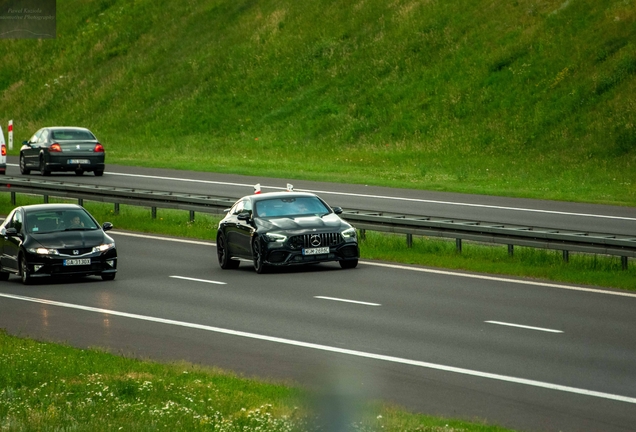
x=59, y=220
x=291, y=207
x=71, y=135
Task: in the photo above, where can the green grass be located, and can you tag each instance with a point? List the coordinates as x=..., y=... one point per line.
x=531, y=263
x=53, y=387
x=517, y=98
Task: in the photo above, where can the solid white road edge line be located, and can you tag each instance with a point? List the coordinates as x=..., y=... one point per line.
x=398, y=360
x=420, y=269
x=199, y=280
x=347, y=301
x=524, y=326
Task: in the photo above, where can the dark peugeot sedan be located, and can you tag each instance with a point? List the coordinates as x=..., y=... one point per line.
x=44, y=240
x=72, y=149
x=285, y=228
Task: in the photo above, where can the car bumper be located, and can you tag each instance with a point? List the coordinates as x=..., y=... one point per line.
x=75, y=162
x=280, y=256
x=45, y=266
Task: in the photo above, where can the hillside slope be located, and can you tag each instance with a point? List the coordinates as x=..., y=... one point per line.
x=525, y=98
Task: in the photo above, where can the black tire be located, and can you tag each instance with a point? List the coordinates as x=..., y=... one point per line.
x=108, y=276
x=43, y=169
x=23, y=169
x=223, y=255
x=257, y=253
x=79, y=172
x=349, y=264
x=25, y=274
x=99, y=173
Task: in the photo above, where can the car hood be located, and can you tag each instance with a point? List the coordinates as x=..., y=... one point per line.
x=330, y=222
x=71, y=239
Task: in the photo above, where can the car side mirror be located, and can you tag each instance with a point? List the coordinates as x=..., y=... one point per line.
x=245, y=216
x=337, y=210
x=107, y=226
x=11, y=232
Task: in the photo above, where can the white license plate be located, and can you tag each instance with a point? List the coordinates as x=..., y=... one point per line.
x=316, y=251
x=77, y=261
x=78, y=161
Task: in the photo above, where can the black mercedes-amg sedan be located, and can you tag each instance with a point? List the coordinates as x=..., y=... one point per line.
x=285, y=228
x=44, y=240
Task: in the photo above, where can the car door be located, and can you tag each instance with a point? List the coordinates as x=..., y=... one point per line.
x=237, y=231
x=11, y=244
x=31, y=149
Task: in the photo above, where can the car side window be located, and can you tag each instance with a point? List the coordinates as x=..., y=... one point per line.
x=16, y=221
x=35, y=137
x=238, y=207
x=43, y=137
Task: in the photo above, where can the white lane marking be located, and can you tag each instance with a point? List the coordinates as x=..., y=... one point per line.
x=499, y=279
x=398, y=360
x=524, y=326
x=199, y=280
x=347, y=301
x=424, y=270
x=521, y=209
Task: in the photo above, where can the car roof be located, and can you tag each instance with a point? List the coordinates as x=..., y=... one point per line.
x=67, y=127
x=51, y=207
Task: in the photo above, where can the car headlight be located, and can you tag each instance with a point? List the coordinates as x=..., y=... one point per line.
x=43, y=251
x=103, y=247
x=278, y=238
x=349, y=233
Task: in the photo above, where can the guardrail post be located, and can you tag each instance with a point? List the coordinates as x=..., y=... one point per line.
x=116, y=208
x=12, y=198
x=80, y=201
x=191, y=215
x=458, y=245
x=153, y=212
x=566, y=256
x=409, y=240
x=511, y=250
x=363, y=234
x=46, y=199
x=624, y=262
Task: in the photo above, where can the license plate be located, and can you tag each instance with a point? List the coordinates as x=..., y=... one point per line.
x=78, y=161
x=316, y=251
x=77, y=261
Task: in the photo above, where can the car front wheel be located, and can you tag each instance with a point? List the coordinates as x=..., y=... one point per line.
x=349, y=264
x=259, y=259
x=25, y=274
x=108, y=276
x=23, y=168
x=223, y=254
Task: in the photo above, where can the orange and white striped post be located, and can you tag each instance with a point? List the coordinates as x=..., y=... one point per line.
x=10, y=133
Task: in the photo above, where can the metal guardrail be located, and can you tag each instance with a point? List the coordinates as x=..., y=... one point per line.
x=511, y=235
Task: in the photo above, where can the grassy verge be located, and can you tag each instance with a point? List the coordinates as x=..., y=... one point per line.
x=52, y=387
x=585, y=269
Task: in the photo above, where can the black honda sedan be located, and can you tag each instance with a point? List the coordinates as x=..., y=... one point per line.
x=44, y=240
x=285, y=228
x=58, y=148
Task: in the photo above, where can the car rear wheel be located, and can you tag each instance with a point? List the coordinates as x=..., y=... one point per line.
x=259, y=259
x=99, y=173
x=25, y=274
x=223, y=254
x=79, y=172
x=23, y=168
x=43, y=169
x=108, y=276
x=349, y=264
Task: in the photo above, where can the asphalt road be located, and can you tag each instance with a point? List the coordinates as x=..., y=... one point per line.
x=529, y=356
x=533, y=213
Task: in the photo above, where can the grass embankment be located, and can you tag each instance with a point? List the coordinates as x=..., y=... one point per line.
x=516, y=98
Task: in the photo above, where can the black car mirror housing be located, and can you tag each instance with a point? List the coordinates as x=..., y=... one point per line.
x=107, y=226
x=337, y=210
x=12, y=232
x=245, y=216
